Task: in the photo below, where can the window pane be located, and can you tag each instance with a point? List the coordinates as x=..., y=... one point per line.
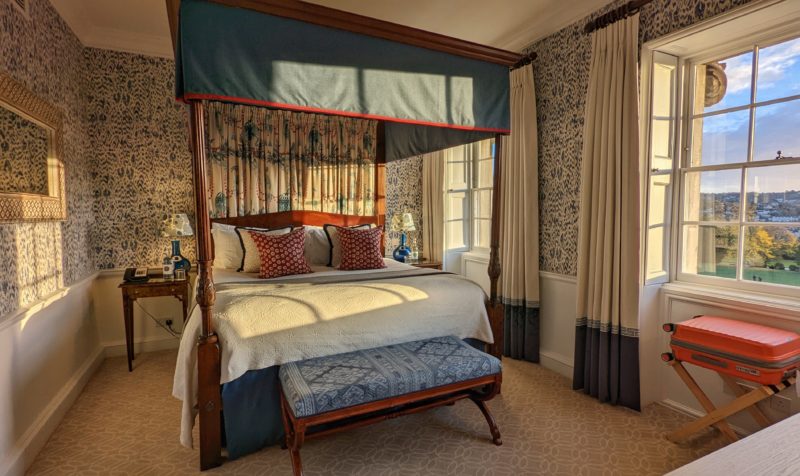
x=777, y=130
x=659, y=200
x=457, y=175
x=773, y=193
x=720, y=139
x=710, y=250
x=484, y=173
x=482, y=204
x=455, y=234
x=712, y=196
x=483, y=233
x=661, y=144
x=662, y=89
x=771, y=255
x=723, y=84
x=778, y=70
x=655, y=252
x=456, y=205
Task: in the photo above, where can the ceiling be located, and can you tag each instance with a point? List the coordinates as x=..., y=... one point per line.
x=140, y=26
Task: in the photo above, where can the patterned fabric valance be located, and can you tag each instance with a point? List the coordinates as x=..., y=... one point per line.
x=264, y=160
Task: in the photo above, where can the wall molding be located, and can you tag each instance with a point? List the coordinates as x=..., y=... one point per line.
x=564, y=278
x=35, y=437
x=151, y=344
x=557, y=363
x=37, y=306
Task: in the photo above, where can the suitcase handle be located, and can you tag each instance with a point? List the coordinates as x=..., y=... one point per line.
x=710, y=360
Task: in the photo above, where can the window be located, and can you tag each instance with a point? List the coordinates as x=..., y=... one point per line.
x=735, y=197
x=468, y=200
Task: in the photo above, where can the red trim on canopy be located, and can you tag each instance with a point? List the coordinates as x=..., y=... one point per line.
x=255, y=102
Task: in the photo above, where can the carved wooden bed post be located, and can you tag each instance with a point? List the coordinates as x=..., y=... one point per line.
x=495, y=307
x=209, y=400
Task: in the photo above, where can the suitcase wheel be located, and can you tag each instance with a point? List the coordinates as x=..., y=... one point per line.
x=667, y=357
x=668, y=327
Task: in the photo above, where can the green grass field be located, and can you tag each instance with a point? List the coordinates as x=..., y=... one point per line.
x=774, y=276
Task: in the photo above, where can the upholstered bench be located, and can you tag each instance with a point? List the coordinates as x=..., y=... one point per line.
x=358, y=388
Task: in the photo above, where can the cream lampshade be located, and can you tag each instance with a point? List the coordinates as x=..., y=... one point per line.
x=177, y=224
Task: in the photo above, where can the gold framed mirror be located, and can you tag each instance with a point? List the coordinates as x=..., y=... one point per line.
x=31, y=170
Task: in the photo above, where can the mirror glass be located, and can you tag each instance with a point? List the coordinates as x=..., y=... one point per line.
x=25, y=147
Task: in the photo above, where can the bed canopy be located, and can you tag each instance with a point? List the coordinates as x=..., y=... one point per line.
x=428, y=91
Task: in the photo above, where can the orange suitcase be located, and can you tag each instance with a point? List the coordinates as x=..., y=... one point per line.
x=748, y=351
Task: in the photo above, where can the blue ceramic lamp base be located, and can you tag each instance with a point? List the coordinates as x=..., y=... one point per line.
x=402, y=251
x=178, y=259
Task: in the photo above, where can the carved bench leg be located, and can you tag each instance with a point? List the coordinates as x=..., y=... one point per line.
x=490, y=420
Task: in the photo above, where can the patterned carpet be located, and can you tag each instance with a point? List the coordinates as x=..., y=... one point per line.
x=127, y=423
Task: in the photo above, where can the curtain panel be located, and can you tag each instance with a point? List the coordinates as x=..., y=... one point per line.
x=519, y=222
x=607, y=331
x=265, y=160
x=433, y=183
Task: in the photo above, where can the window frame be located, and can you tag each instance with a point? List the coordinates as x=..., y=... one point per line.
x=682, y=166
x=471, y=190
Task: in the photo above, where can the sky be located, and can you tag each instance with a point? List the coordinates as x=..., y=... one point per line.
x=725, y=136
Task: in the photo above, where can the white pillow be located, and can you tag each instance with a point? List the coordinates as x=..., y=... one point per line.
x=251, y=259
x=334, y=249
x=227, y=246
x=317, y=248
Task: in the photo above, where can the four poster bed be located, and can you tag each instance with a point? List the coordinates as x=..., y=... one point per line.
x=426, y=91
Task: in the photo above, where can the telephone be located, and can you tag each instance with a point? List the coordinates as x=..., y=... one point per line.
x=135, y=275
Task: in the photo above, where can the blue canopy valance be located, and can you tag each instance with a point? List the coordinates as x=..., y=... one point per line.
x=242, y=56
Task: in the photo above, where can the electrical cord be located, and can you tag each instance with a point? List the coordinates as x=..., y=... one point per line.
x=168, y=326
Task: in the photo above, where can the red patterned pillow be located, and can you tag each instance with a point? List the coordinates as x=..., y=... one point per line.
x=281, y=255
x=361, y=248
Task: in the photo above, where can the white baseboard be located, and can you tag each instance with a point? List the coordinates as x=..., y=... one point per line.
x=152, y=344
x=37, y=435
x=694, y=413
x=557, y=363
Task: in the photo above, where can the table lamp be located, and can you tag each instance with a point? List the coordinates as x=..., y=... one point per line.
x=402, y=223
x=175, y=226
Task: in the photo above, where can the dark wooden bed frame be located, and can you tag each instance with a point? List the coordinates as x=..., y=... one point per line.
x=208, y=347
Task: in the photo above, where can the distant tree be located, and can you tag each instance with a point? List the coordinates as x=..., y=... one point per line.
x=759, y=247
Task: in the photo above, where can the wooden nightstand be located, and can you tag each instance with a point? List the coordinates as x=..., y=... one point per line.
x=153, y=287
x=427, y=264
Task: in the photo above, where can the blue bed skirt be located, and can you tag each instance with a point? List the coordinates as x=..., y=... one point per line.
x=252, y=417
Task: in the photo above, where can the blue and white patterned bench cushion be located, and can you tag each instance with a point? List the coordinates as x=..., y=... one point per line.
x=323, y=384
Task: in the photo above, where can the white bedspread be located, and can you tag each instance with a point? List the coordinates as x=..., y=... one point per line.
x=262, y=323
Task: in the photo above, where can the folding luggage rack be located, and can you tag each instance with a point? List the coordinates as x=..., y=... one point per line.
x=733, y=349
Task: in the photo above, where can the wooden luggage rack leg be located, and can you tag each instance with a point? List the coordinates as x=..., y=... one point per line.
x=716, y=416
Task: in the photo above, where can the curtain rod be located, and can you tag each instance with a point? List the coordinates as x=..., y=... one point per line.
x=527, y=59
x=615, y=15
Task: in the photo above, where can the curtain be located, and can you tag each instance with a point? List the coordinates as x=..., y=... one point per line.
x=433, y=206
x=519, y=222
x=266, y=160
x=607, y=335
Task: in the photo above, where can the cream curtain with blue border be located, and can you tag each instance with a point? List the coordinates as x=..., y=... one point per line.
x=607, y=332
x=519, y=222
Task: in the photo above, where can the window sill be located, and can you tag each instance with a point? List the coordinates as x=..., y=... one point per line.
x=477, y=255
x=778, y=306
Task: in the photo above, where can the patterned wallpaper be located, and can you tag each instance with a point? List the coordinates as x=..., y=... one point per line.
x=141, y=165
x=24, y=147
x=38, y=258
x=404, y=194
x=126, y=156
x=561, y=72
